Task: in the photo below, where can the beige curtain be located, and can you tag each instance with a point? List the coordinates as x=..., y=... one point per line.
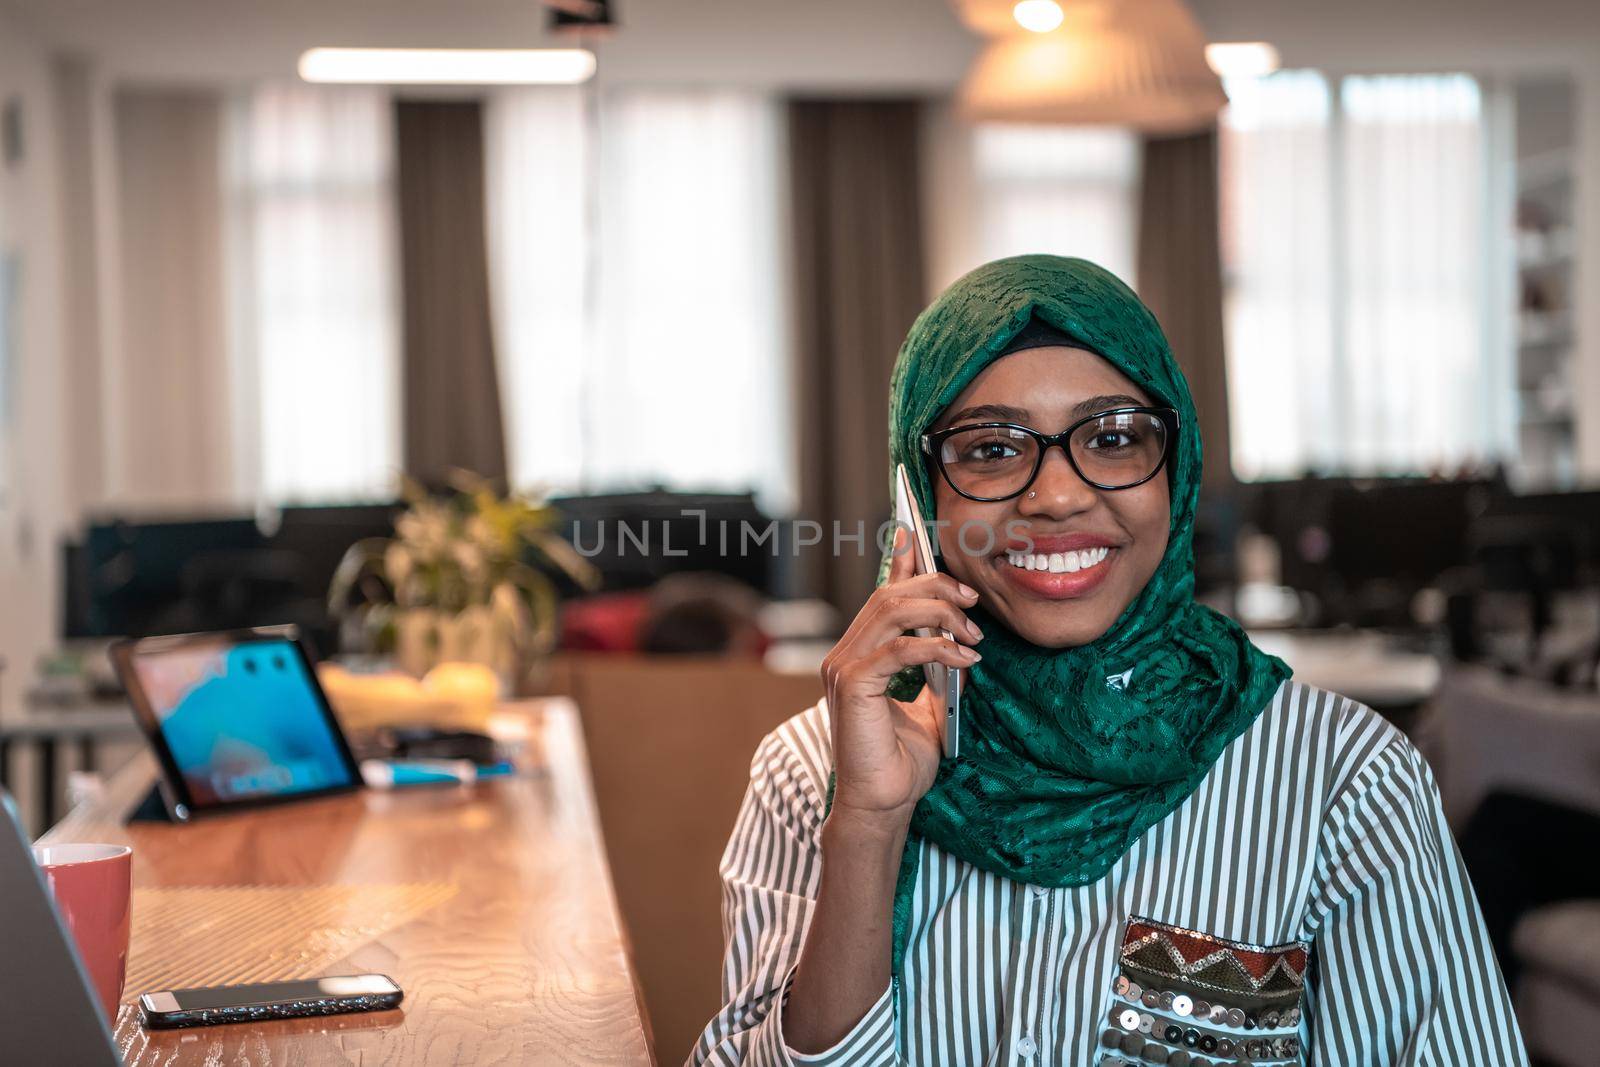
x=1180, y=276
x=168, y=435
x=858, y=268
x=451, y=414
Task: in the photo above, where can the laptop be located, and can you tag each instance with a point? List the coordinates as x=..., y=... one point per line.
x=49, y=1014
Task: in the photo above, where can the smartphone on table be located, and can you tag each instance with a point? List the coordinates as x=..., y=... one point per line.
x=943, y=682
x=268, y=1000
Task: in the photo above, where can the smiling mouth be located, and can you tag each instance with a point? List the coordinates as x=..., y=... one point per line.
x=1059, y=562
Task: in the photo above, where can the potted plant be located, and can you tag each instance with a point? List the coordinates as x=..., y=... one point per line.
x=468, y=577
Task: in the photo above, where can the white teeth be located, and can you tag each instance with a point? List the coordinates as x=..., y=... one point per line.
x=1058, y=562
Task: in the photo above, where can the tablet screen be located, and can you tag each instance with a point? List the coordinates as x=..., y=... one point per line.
x=242, y=720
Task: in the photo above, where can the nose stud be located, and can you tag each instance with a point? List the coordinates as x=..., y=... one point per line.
x=1032, y=494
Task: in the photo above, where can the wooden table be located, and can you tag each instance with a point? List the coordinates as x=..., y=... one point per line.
x=519, y=958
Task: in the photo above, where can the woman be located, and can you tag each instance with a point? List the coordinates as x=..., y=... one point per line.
x=1153, y=847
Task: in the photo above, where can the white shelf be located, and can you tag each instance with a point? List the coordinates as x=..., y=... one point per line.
x=1545, y=253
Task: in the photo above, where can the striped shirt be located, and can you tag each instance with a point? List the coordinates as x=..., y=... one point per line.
x=1318, y=829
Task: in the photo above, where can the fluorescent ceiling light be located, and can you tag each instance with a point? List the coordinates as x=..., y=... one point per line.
x=1040, y=16
x=1242, y=59
x=448, y=66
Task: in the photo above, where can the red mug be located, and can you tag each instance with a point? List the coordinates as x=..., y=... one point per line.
x=93, y=887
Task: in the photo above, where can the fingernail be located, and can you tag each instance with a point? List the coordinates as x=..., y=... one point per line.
x=972, y=654
x=973, y=631
x=967, y=591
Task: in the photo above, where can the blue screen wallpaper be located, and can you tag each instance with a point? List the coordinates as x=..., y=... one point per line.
x=242, y=721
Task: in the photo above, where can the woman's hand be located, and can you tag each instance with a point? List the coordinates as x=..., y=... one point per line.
x=885, y=756
x=885, y=751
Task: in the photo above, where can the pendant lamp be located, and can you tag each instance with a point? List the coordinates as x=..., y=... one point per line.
x=1133, y=63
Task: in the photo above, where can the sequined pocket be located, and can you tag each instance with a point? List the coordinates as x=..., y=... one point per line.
x=1191, y=999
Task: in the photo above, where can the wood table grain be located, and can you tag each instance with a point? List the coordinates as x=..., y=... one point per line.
x=521, y=959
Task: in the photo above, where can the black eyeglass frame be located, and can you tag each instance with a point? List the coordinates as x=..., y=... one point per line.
x=931, y=443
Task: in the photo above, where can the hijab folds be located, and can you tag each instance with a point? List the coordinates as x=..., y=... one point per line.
x=1068, y=755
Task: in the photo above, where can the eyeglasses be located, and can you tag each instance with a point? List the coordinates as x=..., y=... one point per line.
x=1116, y=449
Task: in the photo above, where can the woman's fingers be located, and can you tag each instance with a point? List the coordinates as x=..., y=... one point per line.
x=899, y=613
x=902, y=559
x=897, y=602
x=886, y=753
x=939, y=585
x=869, y=676
x=904, y=582
x=908, y=651
x=903, y=569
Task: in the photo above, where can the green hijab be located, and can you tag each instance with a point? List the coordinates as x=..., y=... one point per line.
x=1069, y=754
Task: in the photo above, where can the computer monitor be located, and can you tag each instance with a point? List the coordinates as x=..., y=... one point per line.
x=139, y=578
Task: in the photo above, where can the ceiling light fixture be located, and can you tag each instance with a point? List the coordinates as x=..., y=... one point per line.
x=1040, y=16
x=448, y=66
x=1242, y=59
x=1136, y=63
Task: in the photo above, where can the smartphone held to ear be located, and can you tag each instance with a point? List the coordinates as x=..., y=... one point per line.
x=943, y=682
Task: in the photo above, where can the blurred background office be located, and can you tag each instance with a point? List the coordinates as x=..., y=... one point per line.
x=648, y=282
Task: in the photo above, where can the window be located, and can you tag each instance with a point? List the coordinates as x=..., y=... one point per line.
x=1000, y=189
x=641, y=333
x=537, y=165
x=1070, y=191
x=1355, y=236
x=314, y=316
